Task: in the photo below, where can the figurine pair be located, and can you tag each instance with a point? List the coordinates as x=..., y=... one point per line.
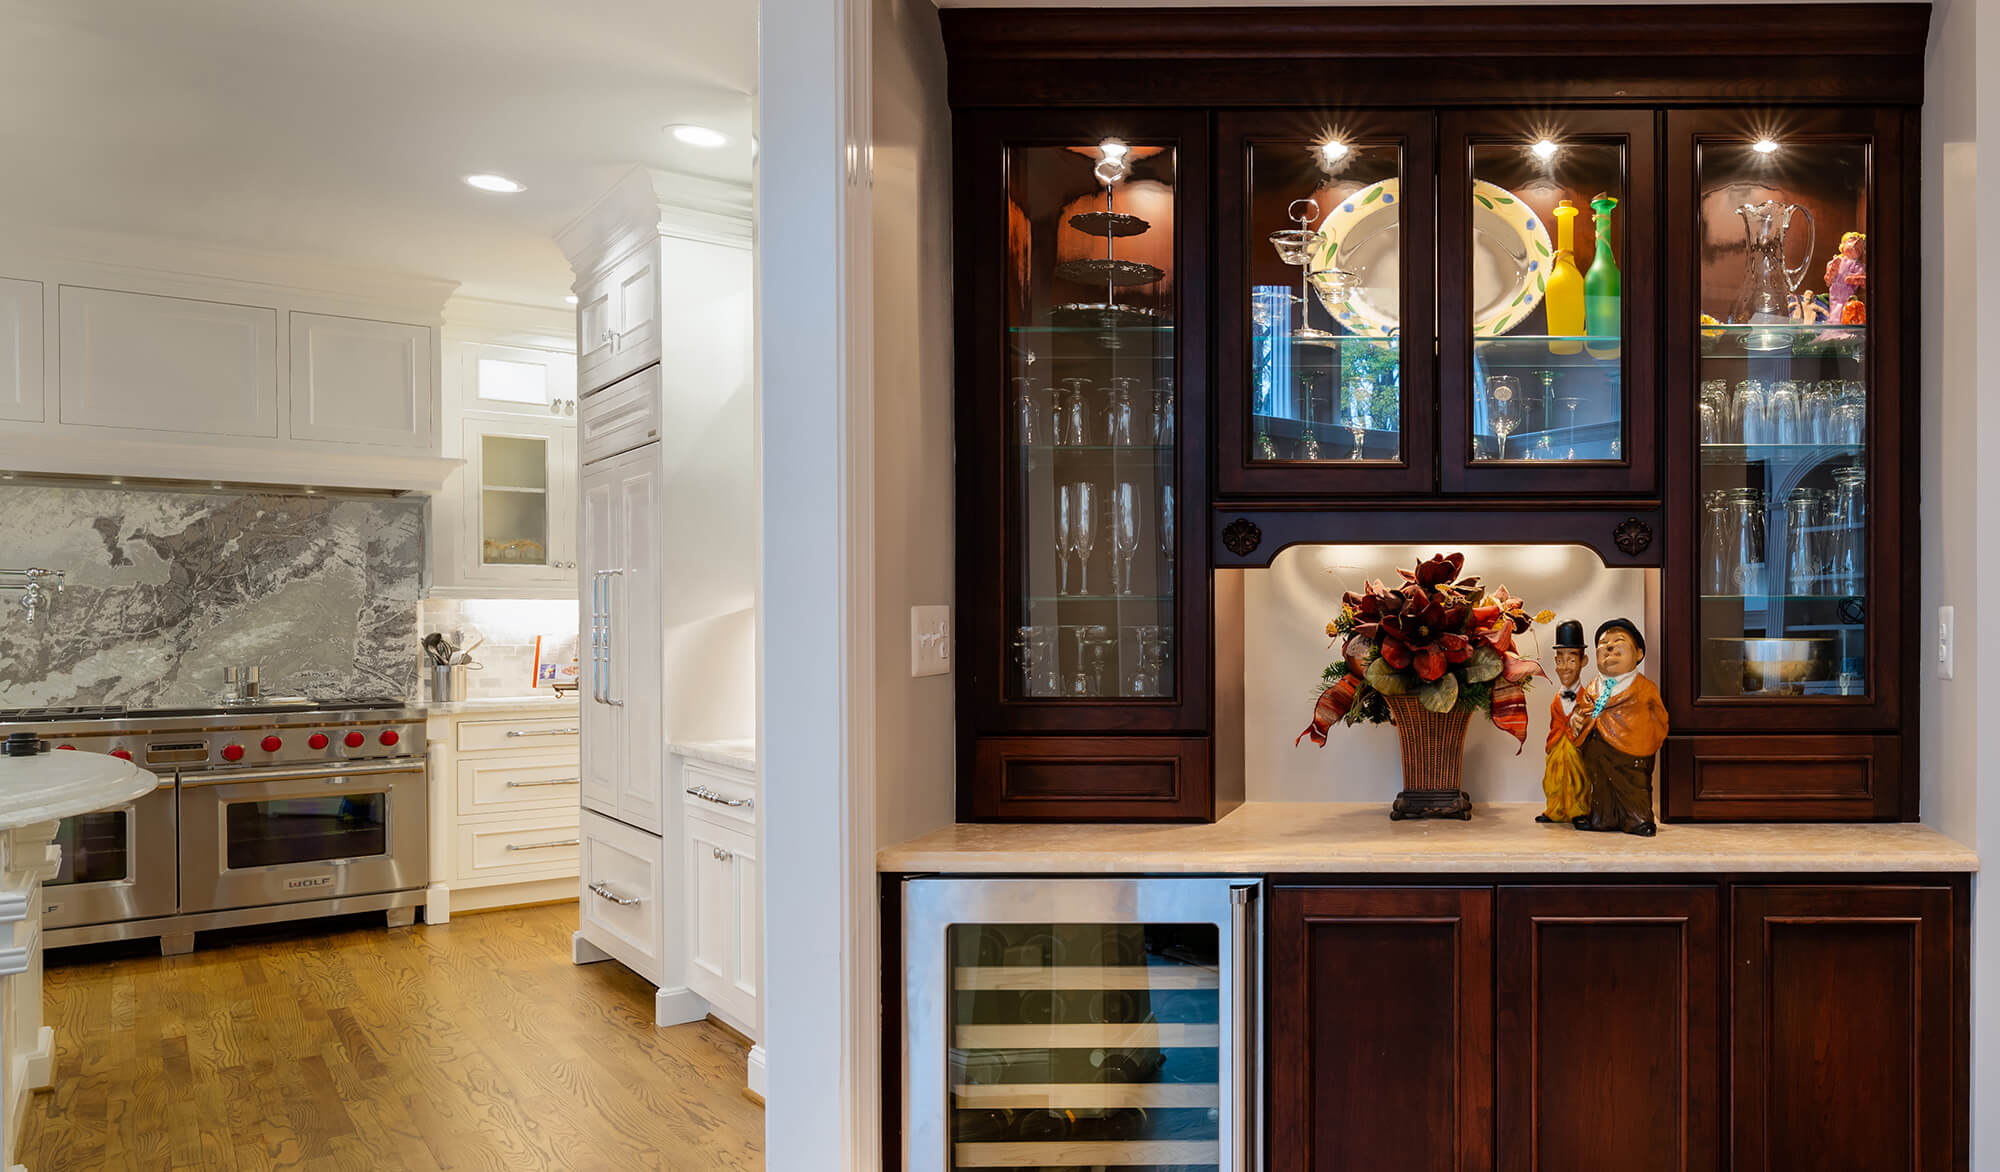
x=1603, y=736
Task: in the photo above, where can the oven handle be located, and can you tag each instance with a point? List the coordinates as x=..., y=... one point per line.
x=300, y=773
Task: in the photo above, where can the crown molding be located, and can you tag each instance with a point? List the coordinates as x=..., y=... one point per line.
x=128, y=261
x=646, y=203
x=509, y=323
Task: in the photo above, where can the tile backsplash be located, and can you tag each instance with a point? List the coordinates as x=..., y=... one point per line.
x=165, y=588
x=509, y=627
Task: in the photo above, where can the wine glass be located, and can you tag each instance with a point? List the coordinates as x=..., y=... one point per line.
x=1073, y=416
x=1028, y=414
x=1065, y=531
x=1503, y=396
x=1163, y=413
x=1088, y=680
x=1119, y=417
x=1164, y=526
x=1124, y=531
x=1569, y=406
x=1098, y=645
x=1083, y=529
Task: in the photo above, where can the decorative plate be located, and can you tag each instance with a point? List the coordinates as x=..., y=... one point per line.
x=1510, y=258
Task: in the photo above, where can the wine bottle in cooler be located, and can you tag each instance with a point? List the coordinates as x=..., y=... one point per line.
x=1044, y=1125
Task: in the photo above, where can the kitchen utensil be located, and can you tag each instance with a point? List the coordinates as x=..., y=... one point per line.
x=1772, y=666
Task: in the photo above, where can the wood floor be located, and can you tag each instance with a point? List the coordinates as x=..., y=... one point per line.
x=475, y=1044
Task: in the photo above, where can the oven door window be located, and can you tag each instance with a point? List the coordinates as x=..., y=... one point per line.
x=278, y=831
x=96, y=848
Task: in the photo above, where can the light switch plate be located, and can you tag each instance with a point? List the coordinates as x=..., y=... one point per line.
x=1946, y=632
x=930, y=640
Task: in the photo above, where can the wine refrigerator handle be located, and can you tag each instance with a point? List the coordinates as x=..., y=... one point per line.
x=1243, y=1026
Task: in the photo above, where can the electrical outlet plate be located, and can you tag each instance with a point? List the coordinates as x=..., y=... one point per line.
x=1946, y=638
x=930, y=640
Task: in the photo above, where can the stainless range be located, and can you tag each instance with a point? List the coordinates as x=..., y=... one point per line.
x=264, y=812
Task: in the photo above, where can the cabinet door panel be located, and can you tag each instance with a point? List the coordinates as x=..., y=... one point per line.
x=21, y=392
x=1787, y=429
x=1609, y=1031
x=1547, y=367
x=602, y=748
x=637, y=292
x=361, y=382
x=135, y=360
x=1749, y=778
x=1316, y=391
x=635, y=677
x=711, y=909
x=517, y=504
x=1381, y=1029
x=1842, y=1051
x=596, y=326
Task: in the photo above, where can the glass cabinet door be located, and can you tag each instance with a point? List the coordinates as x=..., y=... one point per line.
x=1545, y=347
x=1326, y=272
x=1089, y=418
x=1789, y=408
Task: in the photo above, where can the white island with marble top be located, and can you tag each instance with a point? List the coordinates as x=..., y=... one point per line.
x=36, y=794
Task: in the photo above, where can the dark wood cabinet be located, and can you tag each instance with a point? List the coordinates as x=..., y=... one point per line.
x=1319, y=243
x=1620, y=1024
x=1847, y=1032
x=1381, y=1029
x=1608, y=1026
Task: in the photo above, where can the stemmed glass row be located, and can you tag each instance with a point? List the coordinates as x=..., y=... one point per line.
x=1126, y=416
x=1038, y=657
x=1079, y=516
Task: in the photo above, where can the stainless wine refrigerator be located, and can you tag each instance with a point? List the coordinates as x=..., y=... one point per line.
x=1079, y=1023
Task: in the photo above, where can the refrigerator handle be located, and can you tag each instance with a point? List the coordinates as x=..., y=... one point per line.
x=1242, y=1025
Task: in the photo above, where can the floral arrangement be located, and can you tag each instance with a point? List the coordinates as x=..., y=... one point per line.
x=1437, y=637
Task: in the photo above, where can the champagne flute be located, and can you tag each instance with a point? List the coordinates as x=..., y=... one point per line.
x=1125, y=531
x=1065, y=531
x=1164, y=526
x=1357, y=413
x=1569, y=406
x=1083, y=529
x=1503, y=395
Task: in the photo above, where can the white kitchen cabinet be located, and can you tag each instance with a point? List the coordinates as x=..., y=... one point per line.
x=503, y=804
x=723, y=914
x=515, y=521
x=626, y=415
x=622, y=676
x=357, y=381
x=21, y=391
x=618, y=318
x=513, y=380
x=139, y=361
x=623, y=889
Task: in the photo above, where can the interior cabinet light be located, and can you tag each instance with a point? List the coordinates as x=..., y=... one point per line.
x=1333, y=150
x=1544, y=150
x=1764, y=146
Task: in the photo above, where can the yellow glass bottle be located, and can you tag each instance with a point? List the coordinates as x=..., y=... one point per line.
x=1563, y=300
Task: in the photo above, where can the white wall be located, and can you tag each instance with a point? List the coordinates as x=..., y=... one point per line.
x=1285, y=612
x=1960, y=428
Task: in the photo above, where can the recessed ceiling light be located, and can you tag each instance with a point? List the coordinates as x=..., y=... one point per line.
x=499, y=183
x=1544, y=150
x=1764, y=146
x=698, y=136
x=571, y=299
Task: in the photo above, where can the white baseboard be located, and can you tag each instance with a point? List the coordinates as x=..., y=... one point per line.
x=39, y=1065
x=482, y=899
x=437, y=904
x=758, y=1075
x=678, y=1006
x=582, y=951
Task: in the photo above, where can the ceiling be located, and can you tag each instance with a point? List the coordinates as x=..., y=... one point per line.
x=341, y=130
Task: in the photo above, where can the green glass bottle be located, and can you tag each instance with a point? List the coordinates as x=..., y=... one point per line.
x=1602, y=319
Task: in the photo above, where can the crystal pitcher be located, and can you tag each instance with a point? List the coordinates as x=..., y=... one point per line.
x=1768, y=283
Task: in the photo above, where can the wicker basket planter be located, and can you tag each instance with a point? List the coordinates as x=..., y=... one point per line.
x=1433, y=754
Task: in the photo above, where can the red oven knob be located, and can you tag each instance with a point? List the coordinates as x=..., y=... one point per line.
x=317, y=740
x=232, y=752
x=271, y=744
x=71, y=748
x=122, y=754
x=390, y=736
x=353, y=740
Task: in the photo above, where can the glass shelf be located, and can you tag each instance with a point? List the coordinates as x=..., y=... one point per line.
x=1744, y=454
x=1092, y=331
x=1534, y=352
x=1750, y=600
x=1133, y=449
x=1153, y=599
x=1784, y=340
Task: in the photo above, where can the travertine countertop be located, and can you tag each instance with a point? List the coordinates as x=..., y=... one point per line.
x=49, y=787
x=1275, y=837
x=737, y=754
x=508, y=705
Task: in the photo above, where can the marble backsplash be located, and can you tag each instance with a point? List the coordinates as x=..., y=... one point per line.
x=163, y=589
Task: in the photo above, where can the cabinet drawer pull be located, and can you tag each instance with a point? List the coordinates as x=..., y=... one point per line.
x=533, y=784
x=544, y=732
x=708, y=795
x=721, y=856
x=535, y=846
x=602, y=892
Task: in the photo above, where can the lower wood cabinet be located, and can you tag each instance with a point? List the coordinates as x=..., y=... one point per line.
x=1631, y=1026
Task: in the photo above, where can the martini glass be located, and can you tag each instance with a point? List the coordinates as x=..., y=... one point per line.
x=1503, y=397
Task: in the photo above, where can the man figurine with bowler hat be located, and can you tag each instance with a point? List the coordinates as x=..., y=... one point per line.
x=1619, y=725
x=1563, y=782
